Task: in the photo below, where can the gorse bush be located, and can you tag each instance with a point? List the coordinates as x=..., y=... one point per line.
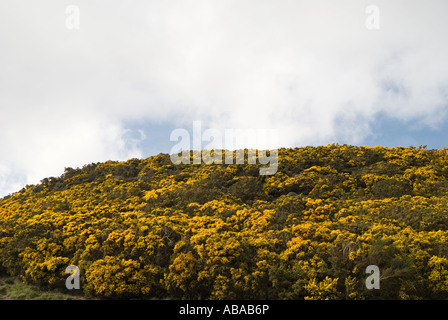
x=146, y=228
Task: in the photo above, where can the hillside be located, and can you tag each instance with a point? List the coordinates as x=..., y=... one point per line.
x=147, y=228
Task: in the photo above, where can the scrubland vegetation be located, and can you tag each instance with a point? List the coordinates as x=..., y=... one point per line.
x=147, y=228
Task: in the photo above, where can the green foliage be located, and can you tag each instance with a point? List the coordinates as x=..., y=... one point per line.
x=146, y=228
x=12, y=289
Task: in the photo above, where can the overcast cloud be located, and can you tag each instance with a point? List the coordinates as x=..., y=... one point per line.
x=309, y=69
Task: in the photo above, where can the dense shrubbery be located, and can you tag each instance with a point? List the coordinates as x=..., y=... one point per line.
x=148, y=228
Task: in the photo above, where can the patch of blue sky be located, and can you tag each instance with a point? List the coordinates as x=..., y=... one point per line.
x=390, y=132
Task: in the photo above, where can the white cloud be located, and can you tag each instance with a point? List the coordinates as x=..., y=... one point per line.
x=309, y=69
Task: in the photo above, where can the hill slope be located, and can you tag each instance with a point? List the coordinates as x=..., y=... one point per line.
x=150, y=229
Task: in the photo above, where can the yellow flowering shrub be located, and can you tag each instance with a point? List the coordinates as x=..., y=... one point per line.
x=146, y=228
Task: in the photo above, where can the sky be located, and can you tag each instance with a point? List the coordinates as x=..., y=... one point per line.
x=85, y=81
